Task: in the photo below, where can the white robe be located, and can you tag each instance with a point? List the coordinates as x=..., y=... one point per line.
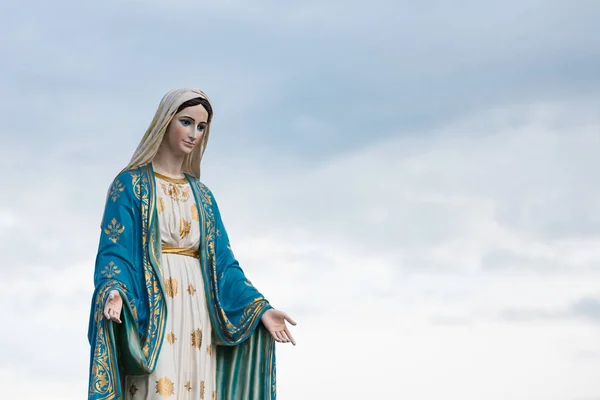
x=186, y=367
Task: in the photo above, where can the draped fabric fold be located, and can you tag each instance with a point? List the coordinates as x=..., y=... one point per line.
x=128, y=261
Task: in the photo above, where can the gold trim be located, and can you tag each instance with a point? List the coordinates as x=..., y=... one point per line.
x=179, y=181
x=167, y=249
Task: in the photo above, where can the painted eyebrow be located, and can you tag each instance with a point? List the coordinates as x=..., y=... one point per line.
x=188, y=117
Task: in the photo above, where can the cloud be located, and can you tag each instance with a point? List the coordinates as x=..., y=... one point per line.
x=410, y=181
x=508, y=190
x=378, y=253
x=587, y=308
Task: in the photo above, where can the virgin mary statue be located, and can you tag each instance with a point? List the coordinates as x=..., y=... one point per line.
x=173, y=314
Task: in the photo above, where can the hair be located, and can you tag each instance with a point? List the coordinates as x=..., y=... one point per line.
x=196, y=102
x=172, y=103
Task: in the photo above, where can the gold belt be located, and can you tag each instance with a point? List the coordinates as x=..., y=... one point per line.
x=167, y=249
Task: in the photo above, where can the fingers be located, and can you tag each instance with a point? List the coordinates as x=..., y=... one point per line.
x=289, y=336
x=289, y=319
x=274, y=334
x=115, y=316
x=112, y=309
x=112, y=314
x=278, y=337
x=285, y=336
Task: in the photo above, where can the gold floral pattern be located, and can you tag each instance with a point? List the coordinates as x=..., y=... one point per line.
x=165, y=387
x=171, y=287
x=194, y=209
x=191, y=290
x=214, y=396
x=197, y=338
x=177, y=192
x=115, y=190
x=188, y=386
x=201, y=390
x=114, y=230
x=160, y=205
x=110, y=270
x=184, y=228
x=171, y=338
x=209, y=349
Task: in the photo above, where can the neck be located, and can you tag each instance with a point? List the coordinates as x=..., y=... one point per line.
x=166, y=163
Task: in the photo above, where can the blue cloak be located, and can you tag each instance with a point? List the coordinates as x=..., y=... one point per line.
x=128, y=261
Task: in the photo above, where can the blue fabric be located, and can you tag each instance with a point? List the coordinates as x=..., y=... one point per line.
x=128, y=260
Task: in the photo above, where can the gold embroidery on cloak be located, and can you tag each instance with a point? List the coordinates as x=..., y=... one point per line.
x=111, y=270
x=114, y=230
x=115, y=190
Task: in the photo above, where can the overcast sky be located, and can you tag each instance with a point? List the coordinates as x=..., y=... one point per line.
x=416, y=183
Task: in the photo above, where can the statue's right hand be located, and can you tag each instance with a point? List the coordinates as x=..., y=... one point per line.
x=114, y=304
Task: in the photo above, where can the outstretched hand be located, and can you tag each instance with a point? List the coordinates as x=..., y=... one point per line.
x=114, y=304
x=274, y=321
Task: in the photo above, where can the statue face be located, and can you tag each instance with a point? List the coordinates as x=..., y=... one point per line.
x=185, y=131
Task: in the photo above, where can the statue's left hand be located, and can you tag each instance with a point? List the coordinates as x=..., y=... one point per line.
x=274, y=321
x=114, y=304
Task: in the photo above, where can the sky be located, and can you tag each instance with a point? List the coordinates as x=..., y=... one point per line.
x=413, y=182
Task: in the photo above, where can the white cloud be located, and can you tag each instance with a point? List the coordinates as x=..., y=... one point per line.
x=399, y=261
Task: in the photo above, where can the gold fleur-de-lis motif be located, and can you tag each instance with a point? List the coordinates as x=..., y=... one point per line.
x=165, y=387
x=197, y=338
x=115, y=190
x=184, y=228
x=111, y=270
x=171, y=287
x=171, y=338
x=114, y=230
x=194, y=209
x=191, y=290
x=188, y=386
